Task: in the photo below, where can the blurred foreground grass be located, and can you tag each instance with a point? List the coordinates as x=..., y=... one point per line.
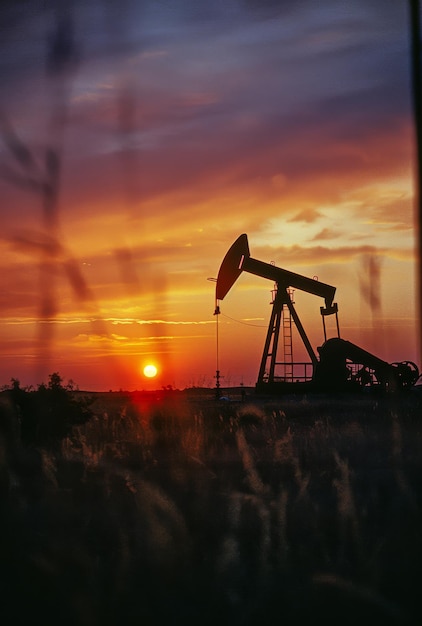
x=185, y=509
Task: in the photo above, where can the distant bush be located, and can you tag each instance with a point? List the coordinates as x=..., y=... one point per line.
x=48, y=414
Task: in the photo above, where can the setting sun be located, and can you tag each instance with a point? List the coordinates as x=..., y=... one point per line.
x=150, y=371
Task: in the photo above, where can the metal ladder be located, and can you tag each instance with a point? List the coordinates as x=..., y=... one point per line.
x=287, y=340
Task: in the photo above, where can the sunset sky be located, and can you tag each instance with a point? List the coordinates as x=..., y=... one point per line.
x=177, y=126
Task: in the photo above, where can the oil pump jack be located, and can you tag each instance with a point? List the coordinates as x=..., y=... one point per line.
x=340, y=364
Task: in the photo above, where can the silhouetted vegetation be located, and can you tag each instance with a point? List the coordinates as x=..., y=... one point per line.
x=177, y=508
x=47, y=414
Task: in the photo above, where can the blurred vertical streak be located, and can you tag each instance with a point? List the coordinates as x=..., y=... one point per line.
x=370, y=288
x=128, y=156
x=61, y=61
x=417, y=113
x=136, y=272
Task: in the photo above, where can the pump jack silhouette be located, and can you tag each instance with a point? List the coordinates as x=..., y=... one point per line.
x=340, y=366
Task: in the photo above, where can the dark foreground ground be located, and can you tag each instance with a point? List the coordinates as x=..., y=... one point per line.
x=176, y=508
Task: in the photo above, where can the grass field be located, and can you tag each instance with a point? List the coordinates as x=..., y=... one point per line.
x=177, y=508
